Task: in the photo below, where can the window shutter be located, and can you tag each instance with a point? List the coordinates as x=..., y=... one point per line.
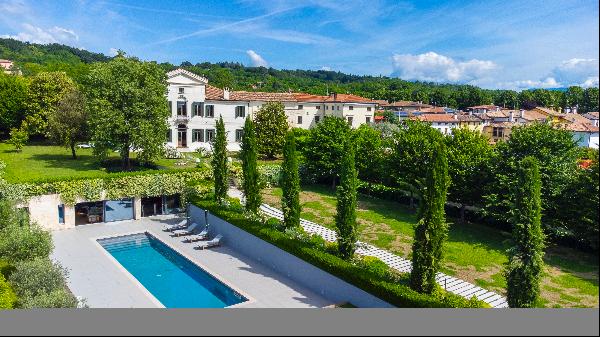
x=201, y=109
x=171, y=107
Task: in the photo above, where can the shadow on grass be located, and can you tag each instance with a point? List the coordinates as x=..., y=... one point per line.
x=86, y=162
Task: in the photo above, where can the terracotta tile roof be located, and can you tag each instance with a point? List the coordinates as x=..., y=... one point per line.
x=339, y=98
x=532, y=115
x=381, y=102
x=433, y=110
x=581, y=127
x=300, y=97
x=261, y=96
x=348, y=98
x=548, y=111
x=498, y=114
x=591, y=115
x=488, y=106
x=438, y=118
x=214, y=93
x=576, y=118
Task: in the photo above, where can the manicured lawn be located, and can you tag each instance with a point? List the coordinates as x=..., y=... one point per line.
x=37, y=162
x=474, y=252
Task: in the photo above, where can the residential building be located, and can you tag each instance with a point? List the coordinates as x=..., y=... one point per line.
x=482, y=109
x=8, y=67
x=592, y=117
x=442, y=122
x=406, y=106
x=196, y=105
x=472, y=122
x=499, y=131
x=554, y=116
x=585, y=134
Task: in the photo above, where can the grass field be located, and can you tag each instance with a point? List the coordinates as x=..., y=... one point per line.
x=474, y=252
x=37, y=162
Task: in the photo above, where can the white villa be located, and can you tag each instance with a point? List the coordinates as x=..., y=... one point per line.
x=195, y=106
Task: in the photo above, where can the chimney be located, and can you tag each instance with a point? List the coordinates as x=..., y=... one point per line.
x=521, y=113
x=225, y=93
x=334, y=95
x=574, y=109
x=511, y=117
x=455, y=116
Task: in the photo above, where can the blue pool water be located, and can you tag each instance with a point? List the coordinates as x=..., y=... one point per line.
x=174, y=280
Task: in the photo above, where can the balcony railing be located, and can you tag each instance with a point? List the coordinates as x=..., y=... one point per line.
x=182, y=118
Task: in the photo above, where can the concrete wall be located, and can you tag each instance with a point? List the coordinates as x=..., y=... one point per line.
x=307, y=275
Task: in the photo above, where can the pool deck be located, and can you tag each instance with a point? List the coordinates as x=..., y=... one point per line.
x=96, y=276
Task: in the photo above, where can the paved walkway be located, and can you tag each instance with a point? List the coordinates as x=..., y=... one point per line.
x=451, y=284
x=104, y=283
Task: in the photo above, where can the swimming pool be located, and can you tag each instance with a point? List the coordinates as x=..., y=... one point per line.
x=174, y=280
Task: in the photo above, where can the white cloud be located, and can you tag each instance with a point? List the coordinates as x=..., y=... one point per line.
x=256, y=59
x=325, y=68
x=36, y=34
x=113, y=52
x=548, y=82
x=577, y=71
x=434, y=67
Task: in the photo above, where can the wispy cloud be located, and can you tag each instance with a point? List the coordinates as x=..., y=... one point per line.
x=226, y=26
x=31, y=33
x=257, y=60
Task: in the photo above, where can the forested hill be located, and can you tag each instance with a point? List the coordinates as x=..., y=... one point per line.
x=33, y=58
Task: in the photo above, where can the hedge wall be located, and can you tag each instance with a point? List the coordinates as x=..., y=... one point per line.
x=368, y=279
x=117, y=185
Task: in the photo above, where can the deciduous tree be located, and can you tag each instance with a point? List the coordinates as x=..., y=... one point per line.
x=271, y=127
x=67, y=125
x=127, y=108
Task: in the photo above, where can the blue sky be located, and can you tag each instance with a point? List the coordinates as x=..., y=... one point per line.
x=493, y=44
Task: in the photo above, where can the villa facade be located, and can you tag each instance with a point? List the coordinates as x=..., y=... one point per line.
x=196, y=105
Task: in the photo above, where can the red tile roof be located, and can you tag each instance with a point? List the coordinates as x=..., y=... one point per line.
x=438, y=118
x=339, y=98
x=581, y=127
x=261, y=96
x=213, y=93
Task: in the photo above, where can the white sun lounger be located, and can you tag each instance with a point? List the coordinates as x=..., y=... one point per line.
x=197, y=237
x=187, y=231
x=181, y=225
x=216, y=241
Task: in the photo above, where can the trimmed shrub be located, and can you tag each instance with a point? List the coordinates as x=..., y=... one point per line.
x=57, y=298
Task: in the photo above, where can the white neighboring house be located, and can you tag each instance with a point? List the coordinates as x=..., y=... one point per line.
x=195, y=106
x=442, y=122
x=586, y=135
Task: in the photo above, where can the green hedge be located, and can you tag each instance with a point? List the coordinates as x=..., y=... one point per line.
x=372, y=280
x=117, y=185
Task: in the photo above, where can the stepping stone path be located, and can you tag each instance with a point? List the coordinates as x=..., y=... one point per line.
x=451, y=284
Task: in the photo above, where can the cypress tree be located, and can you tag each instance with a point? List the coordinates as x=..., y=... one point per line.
x=248, y=154
x=345, y=219
x=526, y=264
x=219, y=162
x=290, y=183
x=431, y=230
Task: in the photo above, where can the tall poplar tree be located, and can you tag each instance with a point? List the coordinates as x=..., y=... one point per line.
x=219, y=162
x=431, y=230
x=290, y=183
x=345, y=219
x=248, y=154
x=526, y=264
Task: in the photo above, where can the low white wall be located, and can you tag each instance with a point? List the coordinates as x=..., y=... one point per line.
x=304, y=273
